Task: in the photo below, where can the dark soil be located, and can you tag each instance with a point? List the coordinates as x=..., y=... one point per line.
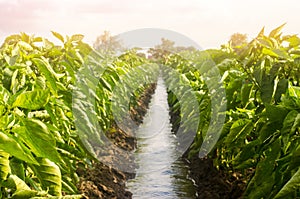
x=102, y=180
x=212, y=183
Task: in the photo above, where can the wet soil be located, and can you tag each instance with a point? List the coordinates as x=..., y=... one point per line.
x=212, y=183
x=101, y=180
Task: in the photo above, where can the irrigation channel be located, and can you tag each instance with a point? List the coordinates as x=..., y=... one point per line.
x=161, y=173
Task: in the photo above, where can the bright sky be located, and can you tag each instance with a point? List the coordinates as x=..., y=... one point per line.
x=208, y=22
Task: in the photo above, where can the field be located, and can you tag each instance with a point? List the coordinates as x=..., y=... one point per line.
x=63, y=106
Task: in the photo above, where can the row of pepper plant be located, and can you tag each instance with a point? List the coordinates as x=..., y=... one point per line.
x=45, y=134
x=260, y=136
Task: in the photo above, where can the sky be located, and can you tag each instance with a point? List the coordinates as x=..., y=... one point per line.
x=209, y=23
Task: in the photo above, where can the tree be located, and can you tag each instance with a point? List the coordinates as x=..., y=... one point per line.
x=238, y=43
x=166, y=44
x=108, y=43
x=238, y=39
x=167, y=47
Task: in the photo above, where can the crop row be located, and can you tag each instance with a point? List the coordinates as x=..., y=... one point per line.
x=55, y=105
x=249, y=110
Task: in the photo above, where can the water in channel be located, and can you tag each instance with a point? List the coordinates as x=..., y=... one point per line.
x=160, y=172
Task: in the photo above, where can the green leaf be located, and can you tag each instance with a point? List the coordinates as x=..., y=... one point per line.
x=281, y=53
x=269, y=52
x=239, y=130
x=262, y=183
x=50, y=176
x=25, y=46
x=294, y=41
x=17, y=167
x=17, y=186
x=261, y=33
x=290, y=187
x=15, y=183
x=77, y=37
x=46, y=69
x=267, y=89
x=11, y=60
x=288, y=122
x=9, y=145
x=258, y=75
x=4, y=165
x=274, y=71
x=265, y=42
x=246, y=92
x=12, y=39
x=4, y=94
x=105, y=84
x=14, y=81
x=69, y=69
x=276, y=32
x=58, y=36
x=296, y=124
x=294, y=91
x=32, y=100
x=276, y=113
x=37, y=137
x=21, y=194
x=247, y=152
x=282, y=87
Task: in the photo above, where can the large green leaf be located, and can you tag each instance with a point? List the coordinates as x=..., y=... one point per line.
x=49, y=175
x=11, y=146
x=15, y=183
x=261, y=184
x=290, y=187
x=37, y=137
x=32, y=100
x=276, y=113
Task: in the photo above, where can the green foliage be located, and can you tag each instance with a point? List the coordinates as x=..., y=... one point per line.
x=40, y=138
x=50, y=176
x=261, y=130
x=56, y=103
x=32, y=100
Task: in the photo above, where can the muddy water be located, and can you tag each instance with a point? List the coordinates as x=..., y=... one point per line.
x=160, y=172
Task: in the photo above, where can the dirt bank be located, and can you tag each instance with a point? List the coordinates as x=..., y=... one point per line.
x=212, y=183
x=101, y=180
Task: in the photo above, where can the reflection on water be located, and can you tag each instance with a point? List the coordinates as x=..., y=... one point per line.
x=160, y=174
